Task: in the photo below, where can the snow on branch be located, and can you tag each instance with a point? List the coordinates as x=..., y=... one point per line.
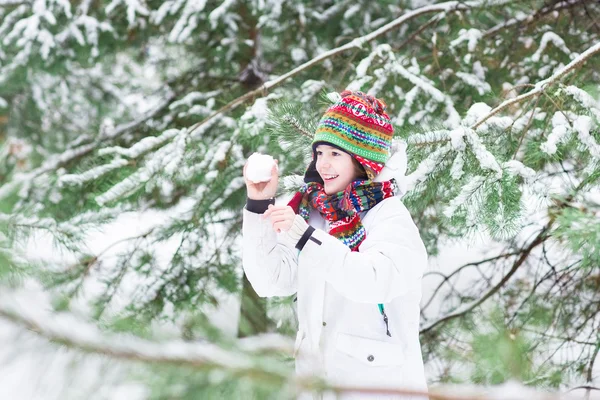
x=426, y=166
x=561, y=130
x=584, y=99
x=72, y=154
x=526, y=19
x=19, y=308
x=49, y=165
x=470, y=306
x=358, y=42
x=92, y=174
x=541, y=86
x=142, y=147
x=133, y=7
x=471, y=36
x=77, y=334
x=556, y=40
x=428, y=137
x=467, y=191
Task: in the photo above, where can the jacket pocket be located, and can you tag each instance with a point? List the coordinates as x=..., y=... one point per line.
x=375, y=353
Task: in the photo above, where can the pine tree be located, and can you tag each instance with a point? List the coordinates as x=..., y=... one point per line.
x=127, y=106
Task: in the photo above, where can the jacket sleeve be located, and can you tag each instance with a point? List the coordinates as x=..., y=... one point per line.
x=270, y=266
x=390, y=262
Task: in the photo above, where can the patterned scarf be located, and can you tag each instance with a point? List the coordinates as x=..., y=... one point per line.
x=342, y=209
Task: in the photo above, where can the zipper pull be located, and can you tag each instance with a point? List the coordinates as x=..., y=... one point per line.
x=387, y=328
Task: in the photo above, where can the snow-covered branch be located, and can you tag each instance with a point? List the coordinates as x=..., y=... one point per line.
x=541, y=86
x=358, y=42
x=526, y=19
x=79, y=335
x=468, y=307
x=60, y=160
x=66, y=329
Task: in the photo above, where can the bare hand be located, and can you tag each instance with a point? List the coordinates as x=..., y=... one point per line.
x=282, y=217
x=262, y=190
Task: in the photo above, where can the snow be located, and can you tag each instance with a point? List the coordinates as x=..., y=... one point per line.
x=584, y=99
x=515, y=167
x=583, y=125
x=134, y=181
x=554, y=39
x=186, y=23
x=177, y=154
x=561, y=128
x=259, y=167
x=331, y=11
x=471, y=36
x=479, y=71
x=310, y=88
x=478, y=111
x=92, y=174
x=472, y=80
x=457, y=138
x=485, y=158
x=220, y=12
x=25, y=307
x=456, y=171
x=353, y=9
x=298, y=55
x=133, y=7
x=426, y=166
x=189, y=99
x=409, y=99
x=363, y=65
x=423, y=83
x=176, y=145
x=465, y=194
x=144, y=146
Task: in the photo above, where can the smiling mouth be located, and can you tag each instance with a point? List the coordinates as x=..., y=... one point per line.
x=330, y=178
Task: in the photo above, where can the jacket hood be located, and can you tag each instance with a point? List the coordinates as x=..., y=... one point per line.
x=395, y=167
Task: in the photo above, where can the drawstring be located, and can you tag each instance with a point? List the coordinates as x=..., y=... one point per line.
x=385, y=319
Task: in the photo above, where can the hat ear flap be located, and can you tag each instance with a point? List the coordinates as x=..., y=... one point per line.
x=311, y=174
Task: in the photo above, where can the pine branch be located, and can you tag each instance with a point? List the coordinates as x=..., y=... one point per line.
x=80, y=151
x=524, y=254
x=74, y=333
x=446, y=278
x=525, y=20
x=12, y=3
x=541, y=86
x=467, y=308
x=88, y=338
x=463, y=392
x=355, y=43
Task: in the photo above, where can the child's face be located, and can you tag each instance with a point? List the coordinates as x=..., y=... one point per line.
x=334, y=162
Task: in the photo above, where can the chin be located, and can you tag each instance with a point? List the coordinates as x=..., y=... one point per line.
x=330, y=191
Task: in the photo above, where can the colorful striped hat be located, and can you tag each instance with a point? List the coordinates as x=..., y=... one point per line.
x=356, y=123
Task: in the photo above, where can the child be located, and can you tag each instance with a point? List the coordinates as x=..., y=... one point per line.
x=347, y=246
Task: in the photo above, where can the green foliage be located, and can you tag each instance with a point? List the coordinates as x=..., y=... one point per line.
x=155, y=90
x=579, y=231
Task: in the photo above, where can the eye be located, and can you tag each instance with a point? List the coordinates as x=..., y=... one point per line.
x=319, y=152
x=335, y=153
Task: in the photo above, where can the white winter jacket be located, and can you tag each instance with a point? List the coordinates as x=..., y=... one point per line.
x=342, y=334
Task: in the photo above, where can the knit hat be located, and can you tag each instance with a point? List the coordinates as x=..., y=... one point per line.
x=356, y=123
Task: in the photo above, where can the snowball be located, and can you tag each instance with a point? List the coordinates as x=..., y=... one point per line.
x=259, y=167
